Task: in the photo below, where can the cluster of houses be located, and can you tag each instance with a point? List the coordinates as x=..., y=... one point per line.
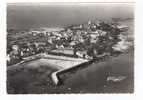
x=86, y=40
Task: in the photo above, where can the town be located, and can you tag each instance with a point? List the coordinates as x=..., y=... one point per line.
x=89, y=41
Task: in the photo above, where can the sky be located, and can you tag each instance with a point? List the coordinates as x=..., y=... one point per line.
x=33, y=15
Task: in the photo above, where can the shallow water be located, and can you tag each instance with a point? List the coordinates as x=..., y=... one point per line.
x=87, y=80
